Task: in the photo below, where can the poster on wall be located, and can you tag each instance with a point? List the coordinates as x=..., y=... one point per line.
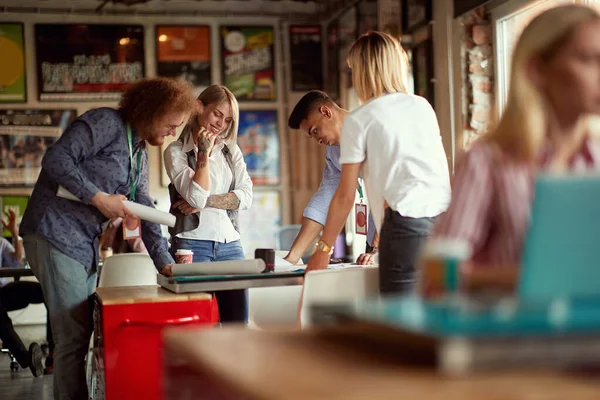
x=249, y=62
x=346, y=37
x=87, y=62
x=333, y=70
x=17, y=204
x=367, y=16
x=306, y=51
x=24, y=137
x=258, y=139
x=184, y=52
x=259, y=225
x=12, y=74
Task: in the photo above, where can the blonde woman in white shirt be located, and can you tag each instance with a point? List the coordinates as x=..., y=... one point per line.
x=209, y=184
x=394, y=138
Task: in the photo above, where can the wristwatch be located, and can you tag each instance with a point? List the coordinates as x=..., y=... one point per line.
x=324, y=247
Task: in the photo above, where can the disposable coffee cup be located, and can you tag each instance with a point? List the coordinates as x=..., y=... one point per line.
x=183, y=256
x=268, y=256
x=440, y=266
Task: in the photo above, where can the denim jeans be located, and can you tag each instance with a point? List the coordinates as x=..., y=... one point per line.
x=67, y=286
x=233, y=304
x=399, y=247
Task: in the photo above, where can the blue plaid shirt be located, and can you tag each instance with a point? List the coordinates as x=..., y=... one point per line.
x=92, y=155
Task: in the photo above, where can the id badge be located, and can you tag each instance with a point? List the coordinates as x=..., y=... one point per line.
x=132, y=228
x=361, y=218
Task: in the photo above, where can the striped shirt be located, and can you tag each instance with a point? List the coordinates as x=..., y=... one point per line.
x=491, y=201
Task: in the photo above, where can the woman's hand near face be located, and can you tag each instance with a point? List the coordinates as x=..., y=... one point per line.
x=205, y=142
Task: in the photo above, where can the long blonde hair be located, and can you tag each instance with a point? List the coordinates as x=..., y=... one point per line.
x=522, y=128
x=379, y=65
x=217, y=94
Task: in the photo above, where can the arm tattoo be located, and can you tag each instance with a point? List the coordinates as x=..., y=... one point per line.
x=228, y=201
x=203, y=145
x=201, y=163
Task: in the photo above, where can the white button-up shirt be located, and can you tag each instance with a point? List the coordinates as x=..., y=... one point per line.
x=214, y=224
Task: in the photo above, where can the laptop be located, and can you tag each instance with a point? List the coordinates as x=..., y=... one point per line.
x=561, y=255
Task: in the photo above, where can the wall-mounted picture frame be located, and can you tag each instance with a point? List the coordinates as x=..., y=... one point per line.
x=367, y=16
x=183, y=51
x=15, y=203
x=348, y=33
x=333, y=71
x=248, y=62
x=416, y=14
x=13, y=82
x=24, y=137
x=258, y=138
x=306, y=57
x=87, y=62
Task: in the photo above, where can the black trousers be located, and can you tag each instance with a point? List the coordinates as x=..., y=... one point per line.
x=399, y=246
x=16, y=296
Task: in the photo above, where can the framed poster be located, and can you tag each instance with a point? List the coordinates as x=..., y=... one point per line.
x=12, y=74
x=78, y=62
x=248, y=66
x=367, y=16
x=422, y=68
x=348, y=28
x=415, y=14
x=259, y=225
x=18, y=204
x=258, y=139
x=306, y=56
x=333, y=71
x=24, y=137
x=184, y=52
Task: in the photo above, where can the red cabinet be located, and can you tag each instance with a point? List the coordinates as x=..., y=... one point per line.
x=128, y=351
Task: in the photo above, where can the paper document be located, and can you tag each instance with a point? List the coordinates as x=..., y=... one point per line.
x=282, y=265
x=146, y=213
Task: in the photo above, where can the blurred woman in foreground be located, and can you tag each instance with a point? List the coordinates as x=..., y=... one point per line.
x=555, y=86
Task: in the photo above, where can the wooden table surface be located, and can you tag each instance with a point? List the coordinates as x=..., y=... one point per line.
x=337, y=363
x=144, y=294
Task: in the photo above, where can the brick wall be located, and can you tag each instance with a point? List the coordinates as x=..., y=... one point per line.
x=478, y=75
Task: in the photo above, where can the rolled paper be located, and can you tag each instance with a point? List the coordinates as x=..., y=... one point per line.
x=146, y=213
x=234, y=267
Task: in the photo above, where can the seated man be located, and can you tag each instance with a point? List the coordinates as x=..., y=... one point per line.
x=16, y=296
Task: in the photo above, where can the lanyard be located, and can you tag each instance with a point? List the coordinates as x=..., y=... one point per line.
x=360, y=192
x=135, y=179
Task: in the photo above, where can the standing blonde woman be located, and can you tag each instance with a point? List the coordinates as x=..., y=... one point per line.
x=395, y=139
x=555, y=85
x=209, y=185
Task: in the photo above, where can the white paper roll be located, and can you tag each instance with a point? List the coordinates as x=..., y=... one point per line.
x=220, y=268
x=150, y=214
x=144, y=212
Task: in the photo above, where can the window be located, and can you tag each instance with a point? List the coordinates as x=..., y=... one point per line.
x=509, y=20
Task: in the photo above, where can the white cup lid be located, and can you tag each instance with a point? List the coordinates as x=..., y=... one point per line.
x=447, y=247
x=183, y=252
